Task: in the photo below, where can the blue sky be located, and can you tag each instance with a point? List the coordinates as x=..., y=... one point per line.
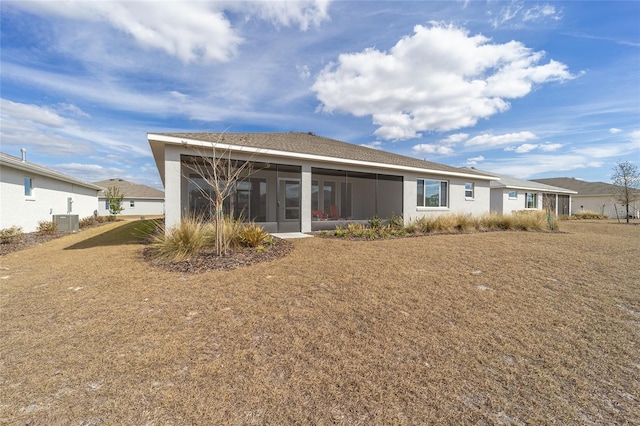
x=528, y=89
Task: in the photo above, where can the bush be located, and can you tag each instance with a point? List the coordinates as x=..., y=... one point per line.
x=47, y=227
x=88, y=221
x=395, y=222
x=182, y=241
x=11, y=235
x=375, y=222
x=588, y=215
x=252, y=235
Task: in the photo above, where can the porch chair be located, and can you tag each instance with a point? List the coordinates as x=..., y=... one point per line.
x=335, y=215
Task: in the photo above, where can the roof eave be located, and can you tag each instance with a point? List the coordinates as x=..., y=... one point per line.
x=288, y=154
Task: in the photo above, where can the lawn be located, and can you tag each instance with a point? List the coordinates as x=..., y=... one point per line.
x=487, y=328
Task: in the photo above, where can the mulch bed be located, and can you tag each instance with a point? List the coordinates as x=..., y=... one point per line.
x=207, y=260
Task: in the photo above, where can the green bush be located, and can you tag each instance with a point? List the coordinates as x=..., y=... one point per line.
x=11, y=235
x=47, y=227
x=375, y=222
x=395, y=221
x=252, y=235
x=182, y=241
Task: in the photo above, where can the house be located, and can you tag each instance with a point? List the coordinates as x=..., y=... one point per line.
x=510, y=194
x=302, y=182
x=30, y=193
x=596, y=197
x=139, y=200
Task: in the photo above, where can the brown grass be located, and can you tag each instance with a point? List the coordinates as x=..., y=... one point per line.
x=487, y=328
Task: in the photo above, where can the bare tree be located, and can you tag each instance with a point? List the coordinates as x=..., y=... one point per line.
x=220, y=174
x=627, y=180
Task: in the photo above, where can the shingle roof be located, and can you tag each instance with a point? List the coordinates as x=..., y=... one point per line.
x=515, y=183
x=583, y=187
x=311, y=144
x=10, y=160
x=129, y=189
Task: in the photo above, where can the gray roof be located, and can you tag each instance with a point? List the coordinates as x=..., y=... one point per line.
x=129, y=189
x=311, y=144
x=17, y=163
x=582, y=187
x=509, y=182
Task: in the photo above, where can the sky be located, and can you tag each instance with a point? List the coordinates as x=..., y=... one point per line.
x=527, y=89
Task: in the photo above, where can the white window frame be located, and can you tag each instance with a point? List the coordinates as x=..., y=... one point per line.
x=443, y=202
x=534, y=198
x=469, y=190
x=28, y=187
x=132, y=203
x=515, y=195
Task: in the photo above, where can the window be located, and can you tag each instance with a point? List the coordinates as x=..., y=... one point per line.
x=513, y=195
x=468, y=190
x=432, y=193
x=531, y=200
x=28, y=187
x=132, y=203
x=107, y=206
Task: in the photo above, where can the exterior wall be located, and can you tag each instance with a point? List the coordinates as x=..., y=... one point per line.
x=602, y=204
x=458, y=204
x=49, y=198
x=176, y=192
x=142, y=207
x=501, y=203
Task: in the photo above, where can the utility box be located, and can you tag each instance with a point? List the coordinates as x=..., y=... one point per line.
x=67, y=222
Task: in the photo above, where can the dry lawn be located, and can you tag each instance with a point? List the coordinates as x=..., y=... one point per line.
x=492, y=328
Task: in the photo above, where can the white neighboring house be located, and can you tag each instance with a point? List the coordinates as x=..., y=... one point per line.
x=510, y=194
x=139, y=200
x=30, y=193
x=598, y=197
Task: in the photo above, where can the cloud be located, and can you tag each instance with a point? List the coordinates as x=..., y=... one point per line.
x=614, y=130
x=374, y=145
x=36, y=114
x=191, y=31
x=89, y=172
x=303, y=71
x=454, y=139
x=473, y=161
x=528, y=147
x=516, y=14
x=432, y=149
x=438, y=79
x=488, y=140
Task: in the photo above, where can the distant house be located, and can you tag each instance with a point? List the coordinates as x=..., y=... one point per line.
x=30, y=193
x=139, y=200
x=510, y=194
x=594, y=196
x=303, y=182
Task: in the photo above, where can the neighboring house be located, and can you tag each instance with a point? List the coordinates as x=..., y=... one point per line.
x=510, y=194
x=30, y=193
x=139, y=200
x=303, y=182
x=596, y=197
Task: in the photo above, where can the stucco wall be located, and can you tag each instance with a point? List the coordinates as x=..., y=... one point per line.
x=602, y=205
x=49, y=197
x=141, y=207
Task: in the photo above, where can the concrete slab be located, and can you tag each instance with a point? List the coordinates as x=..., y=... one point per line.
x=291, y=235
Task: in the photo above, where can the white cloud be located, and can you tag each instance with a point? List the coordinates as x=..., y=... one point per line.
x=426, y=148
x=516, y=14
x=454, y=139
x=473, y=161
x=440, y=78
x=528, y=147
x=635, y=136
x=89, y=172
x=192, y=30
x=539, y=12
x=614, y=130
x=45, y=116
x=488, y=140
x=303, y=71
x=374, y=145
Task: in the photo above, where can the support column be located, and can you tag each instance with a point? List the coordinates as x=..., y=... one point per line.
x=305, y=199
x=172, y=187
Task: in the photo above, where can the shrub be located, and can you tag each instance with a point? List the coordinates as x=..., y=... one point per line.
x=340, y=232
x=252, y=235
x=11, y=235
x=395, y=221
x=88, y=221
x=375, y=222
x=589, y=215
x=47, y=227
x=529, y=220
x=182, y=241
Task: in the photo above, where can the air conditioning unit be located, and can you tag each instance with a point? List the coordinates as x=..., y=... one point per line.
x=67, y=222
